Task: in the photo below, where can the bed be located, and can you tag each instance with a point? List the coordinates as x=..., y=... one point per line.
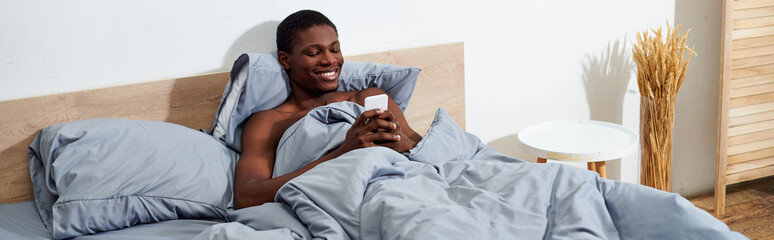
x=127, y=163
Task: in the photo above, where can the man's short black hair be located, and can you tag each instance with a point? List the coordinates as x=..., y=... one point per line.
x=299, y=21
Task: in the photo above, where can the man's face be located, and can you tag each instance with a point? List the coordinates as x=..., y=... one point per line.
x=315, y=60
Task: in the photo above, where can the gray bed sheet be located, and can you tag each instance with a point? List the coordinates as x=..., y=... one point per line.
x=452, y=186
x=21, y=221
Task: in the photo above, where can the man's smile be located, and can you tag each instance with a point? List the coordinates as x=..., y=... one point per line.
x=329, y=74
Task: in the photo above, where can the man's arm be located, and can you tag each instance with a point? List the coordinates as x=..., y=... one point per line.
x=253, y=184
x=254, y=168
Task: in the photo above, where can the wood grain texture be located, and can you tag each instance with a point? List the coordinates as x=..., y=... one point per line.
x=193, y=101
x=753, y=32
x=750, y=209
x=441, y=83
x=750, y=165
x=753, y=109
x=742, y=44
x=749, y=156
x=752, y=81
x=752, y=118
x=746, y=94
x=753, y=173
x=723, y=105
x=751, y=146
x=755, y=51
x=753, y=12
x=752, y=71
x=753, y=61
x=750, y=4
x=752, y=100
x=755, y=22
x=750, y=128
x=751, y=90
x=187, y=101
x=751, y=137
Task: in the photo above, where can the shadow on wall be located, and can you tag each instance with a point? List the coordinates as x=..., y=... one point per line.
x=606, y=77
x=509, y=145
x=694, y=137
x=258, y=39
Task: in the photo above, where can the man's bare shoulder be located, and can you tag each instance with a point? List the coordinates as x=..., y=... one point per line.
x=274, y=119
x=279, y=114
x=267, y=126
x=268, y=116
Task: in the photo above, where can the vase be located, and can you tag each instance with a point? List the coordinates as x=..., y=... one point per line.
x=656, y=123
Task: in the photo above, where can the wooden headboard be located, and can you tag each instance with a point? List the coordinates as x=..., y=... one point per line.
x=192, y=102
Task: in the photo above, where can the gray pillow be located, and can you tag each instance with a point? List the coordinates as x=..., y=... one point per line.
x=104, y=174
x=258, y=82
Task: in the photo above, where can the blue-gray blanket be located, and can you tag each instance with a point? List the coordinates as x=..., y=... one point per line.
x=451, y=186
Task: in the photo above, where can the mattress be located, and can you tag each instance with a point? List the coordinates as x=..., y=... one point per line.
x=21, y=221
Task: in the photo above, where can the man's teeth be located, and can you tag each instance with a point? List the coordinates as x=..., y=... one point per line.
x=328, y=74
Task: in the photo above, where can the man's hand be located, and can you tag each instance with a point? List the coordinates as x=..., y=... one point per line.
x=367, y=131
x=376, y=127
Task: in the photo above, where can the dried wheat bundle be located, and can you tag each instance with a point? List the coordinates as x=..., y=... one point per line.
x=660, y=73
x=660, y=66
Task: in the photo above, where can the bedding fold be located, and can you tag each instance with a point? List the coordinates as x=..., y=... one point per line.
x=452, y=186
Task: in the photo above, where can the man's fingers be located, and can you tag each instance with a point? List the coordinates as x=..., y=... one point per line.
x=377, y=124
x=380, y=137
x=363, y=118
x=381, y=125
x=387, y=115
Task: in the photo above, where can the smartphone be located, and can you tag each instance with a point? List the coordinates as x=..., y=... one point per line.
x=376, y=101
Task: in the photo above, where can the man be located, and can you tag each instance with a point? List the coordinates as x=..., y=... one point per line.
x=310, y=53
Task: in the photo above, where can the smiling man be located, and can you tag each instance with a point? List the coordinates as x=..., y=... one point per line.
x=310, y=52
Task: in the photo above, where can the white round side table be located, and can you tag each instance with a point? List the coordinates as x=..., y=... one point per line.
x=588, y=141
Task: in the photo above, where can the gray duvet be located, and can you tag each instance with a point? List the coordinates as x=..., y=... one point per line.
x=451, y=186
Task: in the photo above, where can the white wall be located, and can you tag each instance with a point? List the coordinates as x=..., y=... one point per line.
x=696, y=123
x=526, y=61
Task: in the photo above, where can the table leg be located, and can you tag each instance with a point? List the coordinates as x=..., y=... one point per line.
x=601, y=169
x=541, y=160
x=592, y=166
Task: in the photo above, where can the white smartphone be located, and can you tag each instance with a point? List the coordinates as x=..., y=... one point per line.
x=376, y=101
